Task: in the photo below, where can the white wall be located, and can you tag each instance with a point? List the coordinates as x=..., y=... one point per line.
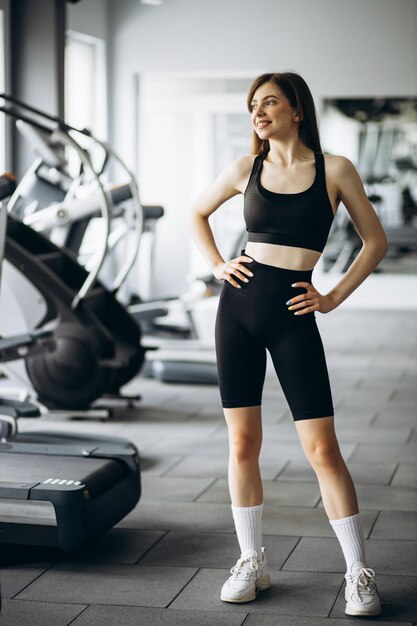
x=342, y=48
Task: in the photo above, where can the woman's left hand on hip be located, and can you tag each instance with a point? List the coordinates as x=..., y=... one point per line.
x=310, y=301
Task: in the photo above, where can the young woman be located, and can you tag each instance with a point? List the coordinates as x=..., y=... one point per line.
x=291, y=193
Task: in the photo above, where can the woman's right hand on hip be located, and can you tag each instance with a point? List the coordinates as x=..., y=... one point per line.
x=233, y=269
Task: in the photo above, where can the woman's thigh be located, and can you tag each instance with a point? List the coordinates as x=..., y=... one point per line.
x=241, y=356
x=300, y=363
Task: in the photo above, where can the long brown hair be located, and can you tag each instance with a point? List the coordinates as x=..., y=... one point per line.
x=299, y=95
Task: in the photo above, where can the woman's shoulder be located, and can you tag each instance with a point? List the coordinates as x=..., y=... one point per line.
x=336, y=162
x=240, y=167
x=338, y=167
x=245, y=163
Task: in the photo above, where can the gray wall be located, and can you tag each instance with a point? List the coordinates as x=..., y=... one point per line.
x=88, y=17
x=359, y=47
x=5, y=7
x=37, y=48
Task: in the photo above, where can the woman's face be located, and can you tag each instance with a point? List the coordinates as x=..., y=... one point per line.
x=271, y=113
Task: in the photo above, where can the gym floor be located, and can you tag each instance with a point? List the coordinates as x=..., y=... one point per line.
x=166, y=562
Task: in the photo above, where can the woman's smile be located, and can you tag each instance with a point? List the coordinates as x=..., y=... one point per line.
x=263, y=124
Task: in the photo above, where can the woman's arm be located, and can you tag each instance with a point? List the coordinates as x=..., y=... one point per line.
x=352, y=193
x=228, y=184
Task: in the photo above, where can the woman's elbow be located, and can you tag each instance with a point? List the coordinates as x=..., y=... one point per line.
x=383, y=245
x=379, y=246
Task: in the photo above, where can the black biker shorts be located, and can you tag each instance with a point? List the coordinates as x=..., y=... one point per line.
x=254, y=319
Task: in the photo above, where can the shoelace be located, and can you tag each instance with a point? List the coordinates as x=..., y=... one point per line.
x=237, y=569
x=364, y=580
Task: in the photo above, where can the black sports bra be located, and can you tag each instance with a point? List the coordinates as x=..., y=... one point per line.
x=301, y=220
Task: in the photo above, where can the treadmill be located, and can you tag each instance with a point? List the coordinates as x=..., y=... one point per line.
x=58, y=490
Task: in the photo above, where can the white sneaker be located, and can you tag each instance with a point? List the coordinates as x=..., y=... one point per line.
x=249, y=576
x=361, y=594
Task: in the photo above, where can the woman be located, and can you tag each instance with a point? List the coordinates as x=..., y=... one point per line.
x=291, y=193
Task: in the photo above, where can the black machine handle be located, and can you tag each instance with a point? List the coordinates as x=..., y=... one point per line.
x=7, y=185
x=52, y=118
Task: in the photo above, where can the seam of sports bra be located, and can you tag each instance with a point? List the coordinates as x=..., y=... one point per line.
x=304, y=247
x=262, y=189
x=252, y=173
x=326, y=193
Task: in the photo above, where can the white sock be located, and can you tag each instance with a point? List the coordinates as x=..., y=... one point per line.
x=248, y=524
x=350, y=535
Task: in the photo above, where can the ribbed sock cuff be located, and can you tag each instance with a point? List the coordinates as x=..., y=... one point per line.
x=248, y=524
x=350, y=535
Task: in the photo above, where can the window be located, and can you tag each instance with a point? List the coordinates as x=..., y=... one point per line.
x=85, y=83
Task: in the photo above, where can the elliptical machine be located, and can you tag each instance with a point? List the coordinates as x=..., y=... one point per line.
x=98, y=344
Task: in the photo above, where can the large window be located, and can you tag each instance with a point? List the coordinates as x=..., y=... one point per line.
x=85, y=83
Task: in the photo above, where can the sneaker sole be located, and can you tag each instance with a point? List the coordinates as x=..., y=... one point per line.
x=262, y=584
x=359, y=613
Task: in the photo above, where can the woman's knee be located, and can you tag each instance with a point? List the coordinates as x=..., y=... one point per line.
x=245, y=433
x=324, y=454
x=245, y=446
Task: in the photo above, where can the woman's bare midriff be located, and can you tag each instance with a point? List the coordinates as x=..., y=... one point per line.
x=286, y=257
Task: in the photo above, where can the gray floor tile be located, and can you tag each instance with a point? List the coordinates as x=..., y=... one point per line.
x=218, y=550
x=292, y=593
x=164, y=410
x=191, y=444
x=399, y=525
x=215, y=466
x=282, y=620
x=177, y=489
x=371, y=473
x=373, y=434
x=392, y=417
x=299, y=521
x=14, y=578
x=393, y=557
x=196, y=465
x=325, y=555
x=158, y=464
x=192, y=516
x=388, y=498
x=362, y=473
x=135, y=616
x=19, y=613
x=405, y=476
x=403, y=401
x=365, y=397
x=357, y=418
x=276, y=493
x=128, y=585
x=273, y=449
x=398, y=597
x=175, y=437
x=368, y=453
x=121, y=546
x=63, y=424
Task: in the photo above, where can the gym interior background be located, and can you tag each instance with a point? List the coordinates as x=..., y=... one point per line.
x=164, y=82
